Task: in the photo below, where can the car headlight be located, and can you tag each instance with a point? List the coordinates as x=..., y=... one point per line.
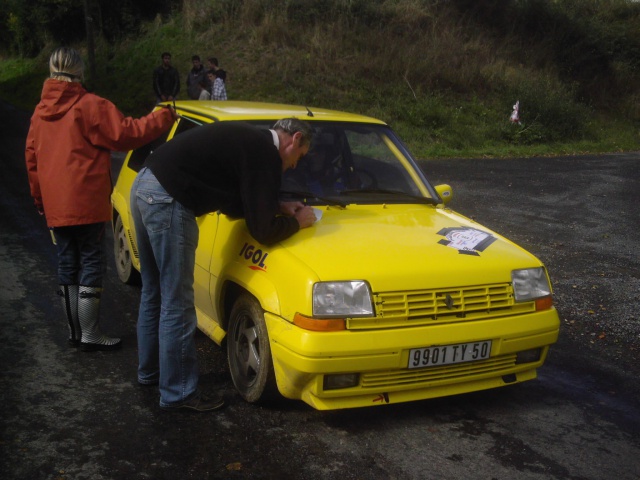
x=342, y=299
x=530, y=284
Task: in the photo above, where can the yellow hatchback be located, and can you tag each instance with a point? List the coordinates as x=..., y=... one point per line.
x=390, y=297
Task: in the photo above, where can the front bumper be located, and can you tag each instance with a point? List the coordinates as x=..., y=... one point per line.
x=302, y=358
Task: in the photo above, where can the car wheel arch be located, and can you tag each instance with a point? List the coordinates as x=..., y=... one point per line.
x=263, y=291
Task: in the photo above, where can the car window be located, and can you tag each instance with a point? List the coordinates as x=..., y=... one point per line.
x=139, y=155
x=376, y=164
x=185, y=124
x=362, y=161
x=347, y=163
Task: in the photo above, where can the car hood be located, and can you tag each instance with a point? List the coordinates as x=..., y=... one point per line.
x=397, y=247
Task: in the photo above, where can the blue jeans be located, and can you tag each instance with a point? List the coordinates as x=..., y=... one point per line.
x=81, y=254
x=167, y=236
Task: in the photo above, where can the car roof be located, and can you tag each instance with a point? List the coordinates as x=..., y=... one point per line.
x=236, y=110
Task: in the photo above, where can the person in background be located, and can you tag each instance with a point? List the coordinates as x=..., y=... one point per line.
x=68, y=159
x=204, y=92
x=166, y=80
x=196, y=76
x=232, y=167
x=218, y=90
x=212, y=64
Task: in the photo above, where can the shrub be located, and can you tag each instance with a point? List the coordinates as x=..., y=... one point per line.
x=548, y=112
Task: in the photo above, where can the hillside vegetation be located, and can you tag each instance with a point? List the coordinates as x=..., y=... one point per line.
x=444, y=74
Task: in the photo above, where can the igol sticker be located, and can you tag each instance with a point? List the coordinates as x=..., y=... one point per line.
x=468, y=241
x=256, y=256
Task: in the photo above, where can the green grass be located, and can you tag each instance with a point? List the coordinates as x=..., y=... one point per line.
x=444, y=83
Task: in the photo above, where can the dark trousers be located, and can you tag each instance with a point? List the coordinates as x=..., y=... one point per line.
x=81, y=254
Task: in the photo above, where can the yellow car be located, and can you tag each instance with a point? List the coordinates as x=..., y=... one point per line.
x=389, y=297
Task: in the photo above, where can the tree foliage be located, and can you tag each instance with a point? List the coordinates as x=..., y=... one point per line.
x=445, y=73
x=27, y=27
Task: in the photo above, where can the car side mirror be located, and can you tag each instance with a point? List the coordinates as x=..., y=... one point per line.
x=445, y=192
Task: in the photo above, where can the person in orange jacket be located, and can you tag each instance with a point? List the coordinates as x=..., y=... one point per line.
x=68, y=157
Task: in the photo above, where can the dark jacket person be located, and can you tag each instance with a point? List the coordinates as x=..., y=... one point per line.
x=231, y=167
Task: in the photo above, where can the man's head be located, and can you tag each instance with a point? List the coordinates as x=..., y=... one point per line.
x=295, y=140
x=195, y=60
x=66, y=64
x=213, y=63
x=166, y=59
x=211, y=75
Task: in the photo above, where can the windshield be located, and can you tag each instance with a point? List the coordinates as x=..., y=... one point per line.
x=348, y=163
x=356, y=163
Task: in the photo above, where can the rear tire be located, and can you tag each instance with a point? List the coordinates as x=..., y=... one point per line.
x=126, y=271
x=249, y=352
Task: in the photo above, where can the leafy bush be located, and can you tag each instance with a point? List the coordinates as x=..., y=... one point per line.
x=548, y=113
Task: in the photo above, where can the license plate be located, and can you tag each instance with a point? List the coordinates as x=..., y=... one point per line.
x=448, y=354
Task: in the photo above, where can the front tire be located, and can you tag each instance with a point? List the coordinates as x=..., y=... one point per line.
x=249, y=352
x=126, y=271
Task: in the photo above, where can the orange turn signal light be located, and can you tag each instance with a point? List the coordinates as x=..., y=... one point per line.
x=319, y=325
x=544, y=303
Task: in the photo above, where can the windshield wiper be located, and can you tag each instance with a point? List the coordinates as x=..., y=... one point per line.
x=396, y=193
x=305, y=195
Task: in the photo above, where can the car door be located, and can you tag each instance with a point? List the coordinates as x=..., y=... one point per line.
x=208, y=227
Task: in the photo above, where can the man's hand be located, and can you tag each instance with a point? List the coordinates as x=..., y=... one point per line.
x=303, y=214
x=305, y=217
x=290, y=208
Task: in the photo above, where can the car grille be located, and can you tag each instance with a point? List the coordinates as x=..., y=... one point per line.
x=433, y=307
x=397, y=379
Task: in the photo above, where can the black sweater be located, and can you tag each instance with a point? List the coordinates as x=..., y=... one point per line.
x=231, y=167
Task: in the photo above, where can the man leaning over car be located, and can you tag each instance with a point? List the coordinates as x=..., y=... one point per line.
x=233, y=168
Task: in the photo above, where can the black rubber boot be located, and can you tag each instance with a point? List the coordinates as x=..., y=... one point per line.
x=69, y=295
x=88, y=311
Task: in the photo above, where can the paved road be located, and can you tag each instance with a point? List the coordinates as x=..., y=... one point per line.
x=71, y=415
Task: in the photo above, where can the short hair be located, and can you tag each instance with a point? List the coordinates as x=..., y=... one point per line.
x=165, y=54
x=213, y=60
x=212, y=72
x=66, y=64
x=195, y=57
x=293, y=125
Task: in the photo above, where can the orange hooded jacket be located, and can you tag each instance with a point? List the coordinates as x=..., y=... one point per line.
x=68, y=151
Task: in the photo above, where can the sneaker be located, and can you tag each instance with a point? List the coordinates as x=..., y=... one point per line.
x=200, y=403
